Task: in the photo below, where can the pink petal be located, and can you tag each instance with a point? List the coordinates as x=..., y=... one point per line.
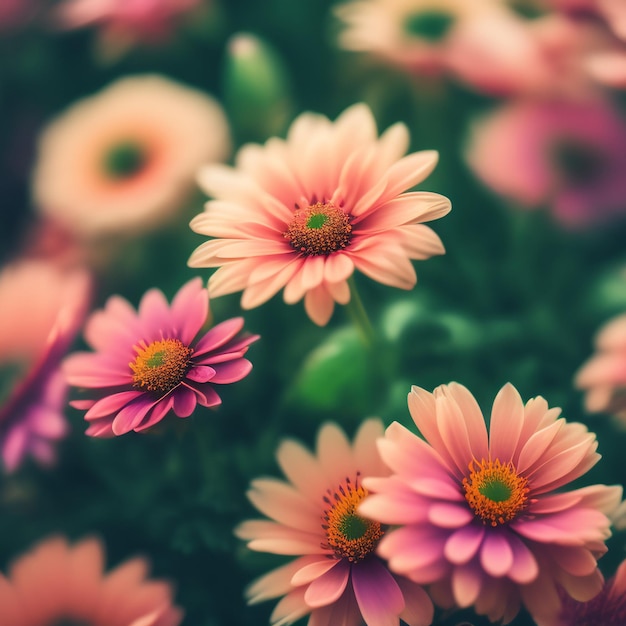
x=496, y=555
x=466, y=584
x=200, y=373
x=525, y=567
x=329, y=587
x=507, y=418
x=189, y=310
x=448, y=515
x=231, y=372
x=311, y=571
x=377, y=593
x=218, y=336
x=464, y=543
x=131, y=415
x=111, y=404
x=184, y=401
x=158, y=412
x=319, y=305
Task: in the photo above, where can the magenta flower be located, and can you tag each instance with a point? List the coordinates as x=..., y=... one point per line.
x=478, y=511
x=306, y=212
x=150, y=361
x=43, y=307
x=603, y=376
x=337, y=577
x=568, y=155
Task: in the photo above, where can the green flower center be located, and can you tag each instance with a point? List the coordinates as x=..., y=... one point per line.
x=124, y=160
x=349, y=535
x=430, y=25
x=321, y=228
x=495, y=492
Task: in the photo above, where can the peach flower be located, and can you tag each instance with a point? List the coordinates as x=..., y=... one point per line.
x=124, y=159
x=57, y=583
x=303, y=213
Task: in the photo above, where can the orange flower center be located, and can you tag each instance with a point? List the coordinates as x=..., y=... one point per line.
x=124, y=159
x=321, y=228
x=161, y=365
x=495, y=492
x=349, y=535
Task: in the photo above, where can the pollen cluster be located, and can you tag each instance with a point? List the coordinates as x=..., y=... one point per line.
x=161, y=365
x=321, y=228
x=495, y=492
x=349, y=535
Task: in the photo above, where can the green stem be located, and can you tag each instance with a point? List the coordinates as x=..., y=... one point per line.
x=358, y=315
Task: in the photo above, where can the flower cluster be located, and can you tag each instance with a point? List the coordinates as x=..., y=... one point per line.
x=352, y=129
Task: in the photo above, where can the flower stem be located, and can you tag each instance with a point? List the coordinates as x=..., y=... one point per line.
x=358, y=314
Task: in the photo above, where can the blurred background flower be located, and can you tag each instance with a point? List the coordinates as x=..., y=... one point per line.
x=122, y=161
x=58, y=583
x=43, y=308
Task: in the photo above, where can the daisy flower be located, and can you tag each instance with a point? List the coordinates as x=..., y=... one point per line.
x=566, y=154
x=43, y=307
x=603, y=376
x=59, y=583
x=337, y=577
x=123, y=160
x=303, y=213
x=479, y=513
x=152, y=361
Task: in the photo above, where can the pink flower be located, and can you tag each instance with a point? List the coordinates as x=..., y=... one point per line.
x=150, y=361
x=305, y=212
x=42, y=309
x=124, y=23
x=481, y=43
x=568, y=155
x=608, y=608
x=336, y=576
x=603, y=376
x=56, y=583
x=478, y=513
x=123, y=161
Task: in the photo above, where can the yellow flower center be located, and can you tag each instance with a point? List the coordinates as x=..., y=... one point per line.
x=321, y=228
x=495, y=492
x=349, y=535
x=161, y=365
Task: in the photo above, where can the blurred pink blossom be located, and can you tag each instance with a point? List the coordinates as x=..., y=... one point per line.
x=124, y=23
x=481, y=512
x=59, y=583
x=603, y=376
x=565, y=154
x=42, y=308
